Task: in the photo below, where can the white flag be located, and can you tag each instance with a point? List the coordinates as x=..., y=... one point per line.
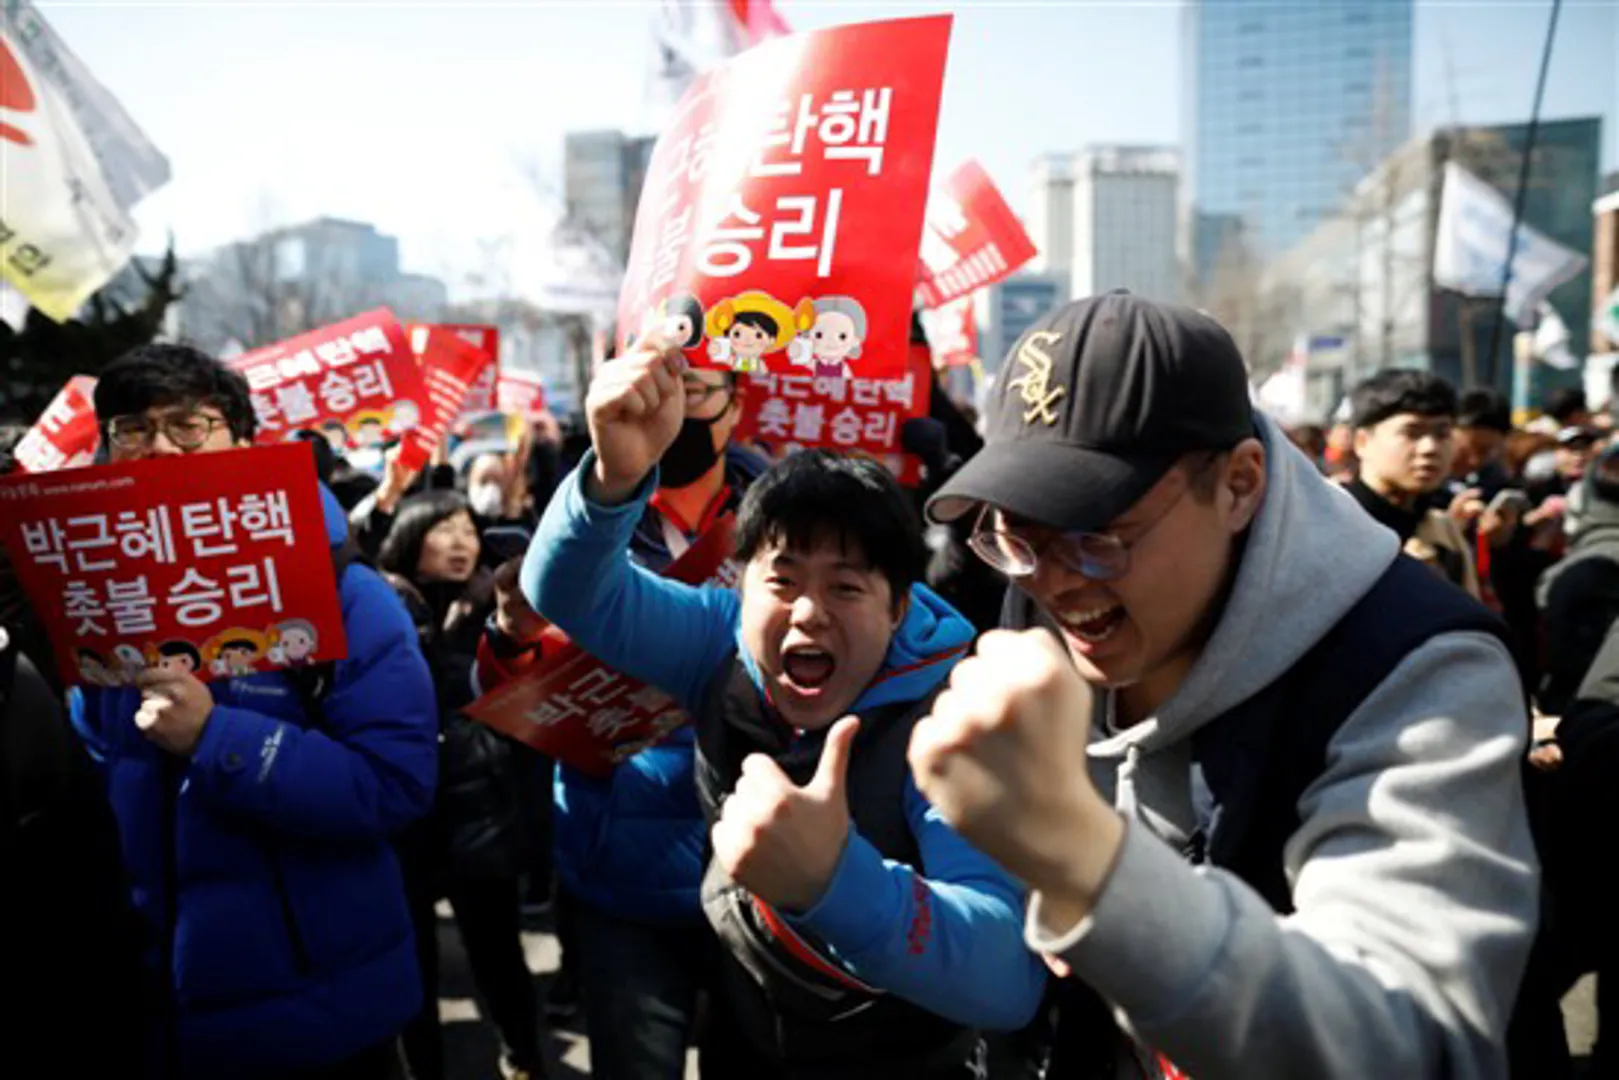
x=1470, y=248
x=74, y=166
x=1550, y=343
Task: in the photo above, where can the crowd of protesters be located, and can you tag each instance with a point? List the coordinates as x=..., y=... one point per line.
x=1146, y=738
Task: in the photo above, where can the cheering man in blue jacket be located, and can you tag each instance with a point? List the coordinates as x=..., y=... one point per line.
x=257, y=835
x=863, y=937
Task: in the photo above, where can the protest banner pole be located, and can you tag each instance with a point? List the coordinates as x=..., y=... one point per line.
x=1530, y=138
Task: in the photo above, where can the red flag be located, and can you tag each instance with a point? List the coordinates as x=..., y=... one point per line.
x=219, y=570
x=779, y=198
x=66, y=434
x=971, y=239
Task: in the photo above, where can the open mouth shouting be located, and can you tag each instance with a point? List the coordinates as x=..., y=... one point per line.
x=806, y=669
x=1090, y=627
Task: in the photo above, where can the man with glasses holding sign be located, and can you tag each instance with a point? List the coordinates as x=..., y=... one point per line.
x=1259, y=769
x=256, y=818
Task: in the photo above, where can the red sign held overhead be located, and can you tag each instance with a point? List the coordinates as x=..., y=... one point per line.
x=486, y=339
x=66, y=434
x=220, y=571
x=971, y=239
x=578, y=710
x=355, y=381
x=451, y=367
x=788, y=413
x=520, y=393
x=956, y=342
x=783, y=204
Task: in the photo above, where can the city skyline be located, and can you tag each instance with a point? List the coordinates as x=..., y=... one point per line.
x=432, y=121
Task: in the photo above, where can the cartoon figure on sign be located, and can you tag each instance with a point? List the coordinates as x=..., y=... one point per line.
x=180, y=657
x=404, y=416
x=367, y=429
x=293, y=643
x=93, y=669
x=236, y=652
x=752, y=325
x=683, y=319
x=835, y=338
x=130, y=661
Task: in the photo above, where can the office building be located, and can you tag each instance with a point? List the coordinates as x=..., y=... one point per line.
x=1285, y=107
x=1105, y=218
x=602, y=174
x=1366, y=274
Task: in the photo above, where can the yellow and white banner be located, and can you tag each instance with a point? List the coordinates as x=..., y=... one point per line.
x=72, y=165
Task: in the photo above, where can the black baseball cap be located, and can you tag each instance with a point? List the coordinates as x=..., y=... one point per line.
x=1093, y=406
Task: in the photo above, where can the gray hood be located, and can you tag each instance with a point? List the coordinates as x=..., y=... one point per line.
x=1311, y=553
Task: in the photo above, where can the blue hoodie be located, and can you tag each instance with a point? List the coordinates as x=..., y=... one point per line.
x=972, y=966
x=262, y=863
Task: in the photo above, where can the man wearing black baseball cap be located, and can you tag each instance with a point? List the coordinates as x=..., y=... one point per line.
x=1244, y=672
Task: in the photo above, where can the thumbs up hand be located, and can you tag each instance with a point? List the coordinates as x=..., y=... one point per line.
x=780, y=841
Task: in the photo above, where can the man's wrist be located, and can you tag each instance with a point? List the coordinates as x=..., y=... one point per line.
x=604, y=490
x=1080, y=866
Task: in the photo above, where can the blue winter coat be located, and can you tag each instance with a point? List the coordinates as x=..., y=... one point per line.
x=263, y=862
x=632, y=844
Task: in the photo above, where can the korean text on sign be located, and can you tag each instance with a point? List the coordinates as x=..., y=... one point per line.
x=776, y=201
x=583, y=713
x=219, y=571
x=355, y=381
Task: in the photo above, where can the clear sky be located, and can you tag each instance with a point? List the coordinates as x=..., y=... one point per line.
x=423, y=117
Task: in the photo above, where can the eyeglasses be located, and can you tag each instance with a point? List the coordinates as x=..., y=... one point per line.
x=187, y=431
x=698, y=394
x=1016, y=551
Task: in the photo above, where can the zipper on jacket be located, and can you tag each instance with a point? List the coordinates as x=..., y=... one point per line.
x=300, y=950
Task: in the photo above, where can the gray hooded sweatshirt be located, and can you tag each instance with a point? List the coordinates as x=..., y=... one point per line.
x=1413, y=876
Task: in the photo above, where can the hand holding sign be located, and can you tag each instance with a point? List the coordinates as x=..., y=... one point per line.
x=780, y=841
x=174, y=709
x=635, y=406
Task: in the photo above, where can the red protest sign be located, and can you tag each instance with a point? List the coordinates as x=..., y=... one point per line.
x=971, y=238
x=792, y=412
x=578, y=710
x=66, y=434
x=450, y=367
x=486, y=338
x=956, y=342
x=356, y=381
x=784, y=202
x=224, y=570
x=520, y=393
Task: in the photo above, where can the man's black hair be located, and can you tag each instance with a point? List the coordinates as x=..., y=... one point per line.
x=815, y=495
x=1565, y=404
x=181, y=648
x=159, y=376
x=325, y=457
x=759, y=321
x=1397, y=391
x=1484, y=407
x=401, y=550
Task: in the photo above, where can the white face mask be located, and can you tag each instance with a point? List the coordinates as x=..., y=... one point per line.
x=487, y=500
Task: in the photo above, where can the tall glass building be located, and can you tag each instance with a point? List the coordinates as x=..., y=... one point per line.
x=1285, y=107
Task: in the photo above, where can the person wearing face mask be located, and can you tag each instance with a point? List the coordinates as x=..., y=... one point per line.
x=629, y=848
x=1260, y=770
x=475, y=846
x=861, y=937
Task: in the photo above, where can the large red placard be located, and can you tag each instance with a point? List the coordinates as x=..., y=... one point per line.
x=355, y=381
x=224, y=570
x=786, y=413
x=783, y=205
